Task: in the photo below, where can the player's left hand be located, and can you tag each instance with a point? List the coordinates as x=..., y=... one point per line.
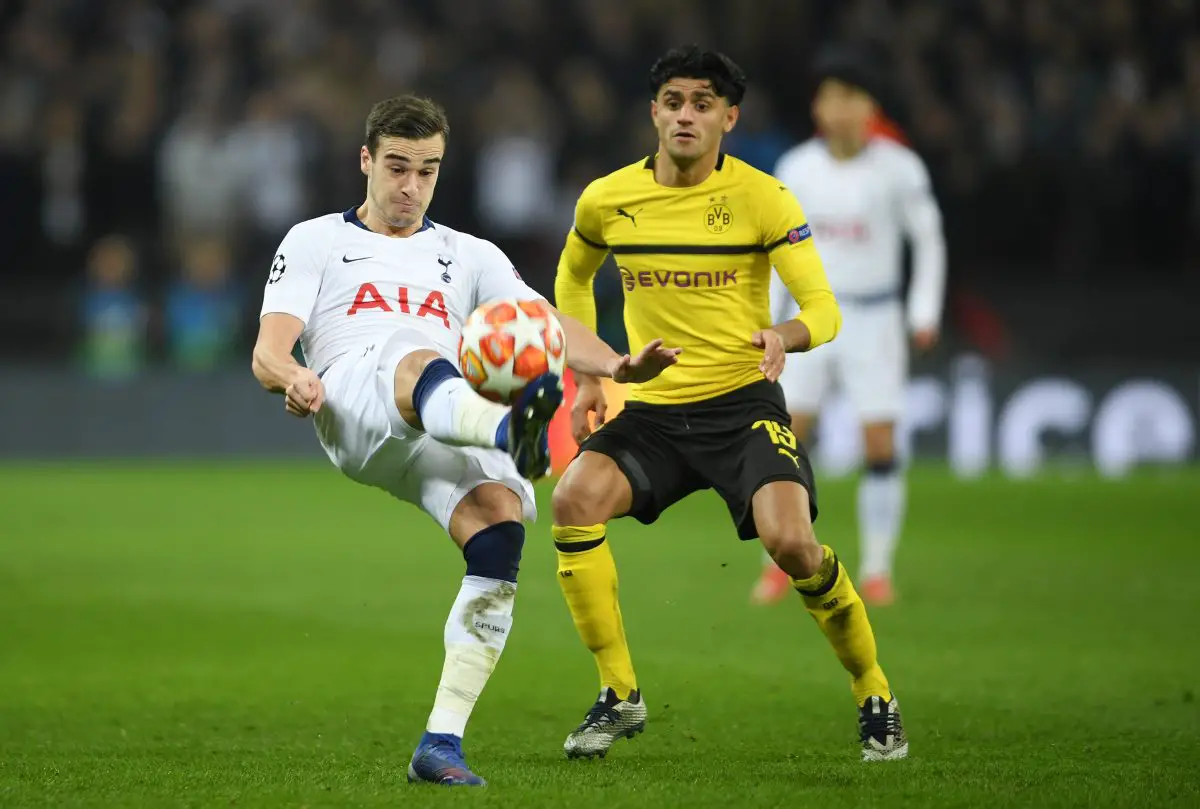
x=774, y=355
x=925, y=339
x=649, y=363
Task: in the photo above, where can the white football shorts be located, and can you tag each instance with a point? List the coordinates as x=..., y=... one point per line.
x=364, y=435
x=868, y=360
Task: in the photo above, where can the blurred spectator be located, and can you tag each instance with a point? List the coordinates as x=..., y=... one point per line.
x=758, y=139
x=63, y=214
x=516, y=155
x=203, y=308
x=200, y=172
x=114, y=315
x=1061, y=136
x=268, y=148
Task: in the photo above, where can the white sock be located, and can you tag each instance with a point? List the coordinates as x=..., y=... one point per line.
x=454, y=413
x=880, y=513
x=476, y=632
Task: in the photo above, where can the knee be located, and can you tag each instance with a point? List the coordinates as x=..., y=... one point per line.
x=484, y=507
x=795, y=550
x=573, y=503
x=879, y=445
x=494, y=502
x=581, y=498
x=413, y=364
x=417, y=375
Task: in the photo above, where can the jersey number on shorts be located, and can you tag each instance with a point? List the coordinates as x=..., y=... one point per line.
x=782, y=437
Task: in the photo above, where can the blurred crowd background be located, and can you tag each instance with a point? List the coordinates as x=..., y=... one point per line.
x=152, y=154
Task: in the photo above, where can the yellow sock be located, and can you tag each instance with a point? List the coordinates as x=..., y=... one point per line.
x=833, y=602
x=588, y=577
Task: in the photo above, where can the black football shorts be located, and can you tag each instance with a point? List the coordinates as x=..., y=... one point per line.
x=734, y=443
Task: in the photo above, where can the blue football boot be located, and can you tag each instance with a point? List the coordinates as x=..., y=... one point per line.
x=525, y=432
x=439, y=760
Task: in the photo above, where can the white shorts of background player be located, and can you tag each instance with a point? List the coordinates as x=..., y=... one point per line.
x=868, y=362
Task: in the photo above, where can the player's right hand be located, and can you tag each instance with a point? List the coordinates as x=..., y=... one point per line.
x=305, y=394
x=589, y=398
x=651, y=361
x=774, y=355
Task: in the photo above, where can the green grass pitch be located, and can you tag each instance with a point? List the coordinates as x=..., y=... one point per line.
x=263, y=635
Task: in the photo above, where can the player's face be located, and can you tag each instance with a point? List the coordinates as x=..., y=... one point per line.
x=842, y=110
x=401, y=176
x=690, y=118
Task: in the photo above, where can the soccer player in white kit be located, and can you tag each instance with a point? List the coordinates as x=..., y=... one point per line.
x=377, y=296
x=863, y=195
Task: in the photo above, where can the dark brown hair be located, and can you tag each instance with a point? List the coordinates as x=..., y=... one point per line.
x=690, y=62
x=409, y=117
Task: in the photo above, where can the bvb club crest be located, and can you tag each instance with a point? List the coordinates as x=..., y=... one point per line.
x=718, y=218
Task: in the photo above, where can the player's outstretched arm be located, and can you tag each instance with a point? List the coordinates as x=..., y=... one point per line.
x=586, y=353
x=590, y=356
x=277, y=370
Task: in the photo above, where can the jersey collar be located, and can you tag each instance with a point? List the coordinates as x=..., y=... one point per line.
x=649, y=164
x=351, y=216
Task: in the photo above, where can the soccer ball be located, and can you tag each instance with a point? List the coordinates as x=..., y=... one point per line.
x=507, y=344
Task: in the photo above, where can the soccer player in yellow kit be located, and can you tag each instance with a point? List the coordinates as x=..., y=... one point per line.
x=695, y=233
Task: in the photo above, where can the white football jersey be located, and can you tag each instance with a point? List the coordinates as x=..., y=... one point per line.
x=353, y=287
x=860, y=210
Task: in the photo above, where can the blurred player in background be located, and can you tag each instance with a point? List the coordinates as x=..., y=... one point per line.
x=864, y=192
x=377, y=296
x=695, y=234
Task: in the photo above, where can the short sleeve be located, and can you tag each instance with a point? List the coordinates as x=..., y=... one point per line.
x=294, y=278
x=496, y=277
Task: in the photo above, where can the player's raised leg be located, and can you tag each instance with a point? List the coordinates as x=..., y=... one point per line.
x=783, y=520
x=432, y=395
x=487, y=525
x=881, y=501
x=591, y=492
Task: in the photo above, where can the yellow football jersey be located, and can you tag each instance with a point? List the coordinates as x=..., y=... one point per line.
x=696, y=263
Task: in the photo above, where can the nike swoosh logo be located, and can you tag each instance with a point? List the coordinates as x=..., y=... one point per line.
x=348, y=260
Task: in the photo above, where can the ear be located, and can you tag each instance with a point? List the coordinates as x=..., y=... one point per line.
x=654, y=109
x=731, y=118
x=364, y=160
